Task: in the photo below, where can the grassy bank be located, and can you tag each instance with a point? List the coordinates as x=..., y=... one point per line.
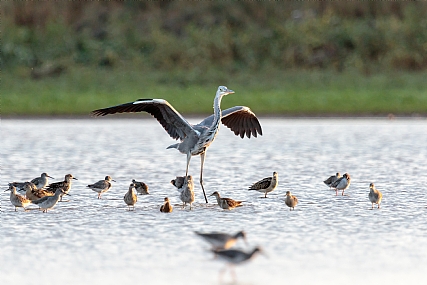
x=268, y=92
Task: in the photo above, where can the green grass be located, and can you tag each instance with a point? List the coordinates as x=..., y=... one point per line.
x=269, y=92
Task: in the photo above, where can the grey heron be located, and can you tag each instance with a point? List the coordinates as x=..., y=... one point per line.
x=195, y=139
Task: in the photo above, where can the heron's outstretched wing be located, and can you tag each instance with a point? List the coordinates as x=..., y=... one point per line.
x=172, y=121
x=240, y=119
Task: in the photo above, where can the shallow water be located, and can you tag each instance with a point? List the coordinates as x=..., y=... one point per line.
x=328, y=239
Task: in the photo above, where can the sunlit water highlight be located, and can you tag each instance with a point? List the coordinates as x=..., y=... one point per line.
x=328, y=239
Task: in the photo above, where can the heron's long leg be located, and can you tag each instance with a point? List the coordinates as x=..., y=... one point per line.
x=202, y=158
x=188, y=163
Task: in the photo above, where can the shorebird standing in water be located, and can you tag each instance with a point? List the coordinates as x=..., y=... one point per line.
x=226, y=203
x=48, y=202
x=64, y=185
x=195, y=139
x=39, y=182
x=291, y=201
x=130, y=197
x=222, y=240
x=235, y=257
x=101, y=186
x=140, y=187
x=332, y=179
x=16, y=199
x=185, y=187
x=266, y=185
x=166, y=207
x=341, y=184
x=375, y=196
x=35, y=194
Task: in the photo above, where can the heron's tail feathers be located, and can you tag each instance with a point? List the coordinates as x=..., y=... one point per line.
x=173, y=146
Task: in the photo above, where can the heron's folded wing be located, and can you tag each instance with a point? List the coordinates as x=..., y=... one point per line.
x=172, y=121
x=240, y=119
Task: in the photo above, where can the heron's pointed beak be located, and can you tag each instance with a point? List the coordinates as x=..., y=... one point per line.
x=229, y=91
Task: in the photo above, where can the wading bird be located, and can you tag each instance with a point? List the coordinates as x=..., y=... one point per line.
x=266, y=185
x=102, y=186
x=166, y=207
x=64, y=185
x=16, y=199
x=39, y=182
x=130, y=198
x=234, y=257
x=222, y=240
x=226, y=203
x=195, y=139
x=332, y=179
x=185, y=186
x=291, y=201
x=48, y=202
x=342, y=183
x=375, y=195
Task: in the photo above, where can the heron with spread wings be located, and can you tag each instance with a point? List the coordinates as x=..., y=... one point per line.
x=195, y=139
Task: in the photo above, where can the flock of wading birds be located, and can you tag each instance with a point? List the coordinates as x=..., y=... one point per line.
x=39, y=192
x=195, y=140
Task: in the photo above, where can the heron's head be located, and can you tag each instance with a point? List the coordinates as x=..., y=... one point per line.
x=223, y=90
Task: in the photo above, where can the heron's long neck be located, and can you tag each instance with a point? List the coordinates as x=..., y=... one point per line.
x=217, y=112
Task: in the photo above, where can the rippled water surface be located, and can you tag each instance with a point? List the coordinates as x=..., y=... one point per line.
x=328, y=239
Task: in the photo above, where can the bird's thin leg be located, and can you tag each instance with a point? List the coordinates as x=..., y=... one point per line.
x=233, y=273
x=221, y=273
x=202, y=158
x=188, y=163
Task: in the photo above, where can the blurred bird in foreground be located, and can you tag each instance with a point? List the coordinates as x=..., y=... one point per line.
x=234, y=257
x=222, y=240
